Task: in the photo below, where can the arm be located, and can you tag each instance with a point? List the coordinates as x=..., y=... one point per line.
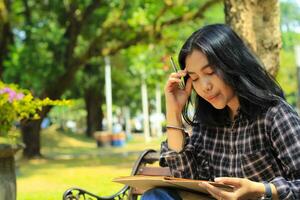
x=285, y=138
x=283, y=129
x=176, y=98
x=174, y=153
x=182, y=164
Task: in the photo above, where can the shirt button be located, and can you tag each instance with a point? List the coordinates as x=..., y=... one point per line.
x=232, y=150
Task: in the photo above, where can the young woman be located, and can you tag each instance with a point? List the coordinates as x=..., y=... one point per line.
x=244, y=133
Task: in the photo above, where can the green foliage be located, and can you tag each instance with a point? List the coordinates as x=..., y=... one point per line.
x=36, y=58
x=290, y=15
x=290, y=39
x=39, y=57
x=18, y=104
x=287, y=76
x=76, y=112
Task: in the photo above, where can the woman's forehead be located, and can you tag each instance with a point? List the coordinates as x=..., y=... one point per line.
x=196, y=61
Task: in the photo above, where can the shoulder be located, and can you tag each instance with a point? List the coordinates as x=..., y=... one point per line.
x=280, y=109
x=282, y=115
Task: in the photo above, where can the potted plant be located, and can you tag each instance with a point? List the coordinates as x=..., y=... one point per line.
x=16, y=104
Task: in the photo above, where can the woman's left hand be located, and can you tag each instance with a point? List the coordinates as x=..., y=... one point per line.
x=243, y=189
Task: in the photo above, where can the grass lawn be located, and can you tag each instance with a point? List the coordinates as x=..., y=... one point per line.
x=73, y=160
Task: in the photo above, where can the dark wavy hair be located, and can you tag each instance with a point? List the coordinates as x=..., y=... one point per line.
x=234, y=62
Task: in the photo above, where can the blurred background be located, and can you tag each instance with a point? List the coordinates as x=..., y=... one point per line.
x=111, y=59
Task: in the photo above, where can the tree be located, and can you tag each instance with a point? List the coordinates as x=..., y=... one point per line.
x=88, y=84
x=6, y=37
x=258, y=23
x=56, y=39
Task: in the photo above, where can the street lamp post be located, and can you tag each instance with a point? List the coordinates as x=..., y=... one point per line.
x=145, y=110
x=297, y=55
x=108, y=94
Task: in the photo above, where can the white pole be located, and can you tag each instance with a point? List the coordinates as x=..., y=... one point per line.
x=108, y=93
x=145, y=111
x=158, y=110
x=297, y=55
x=126, y=112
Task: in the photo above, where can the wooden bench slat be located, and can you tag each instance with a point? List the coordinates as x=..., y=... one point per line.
x=154, y=171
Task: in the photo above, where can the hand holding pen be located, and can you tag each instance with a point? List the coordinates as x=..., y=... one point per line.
x=176, y=96
x=181, y=84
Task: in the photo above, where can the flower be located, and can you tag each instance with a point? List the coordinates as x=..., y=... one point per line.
x=18, y=104
x=13, y=95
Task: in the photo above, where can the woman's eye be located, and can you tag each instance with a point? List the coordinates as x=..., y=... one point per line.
x=211, y=72
x=195, y=79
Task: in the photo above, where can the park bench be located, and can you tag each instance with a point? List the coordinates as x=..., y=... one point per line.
x=142, y=166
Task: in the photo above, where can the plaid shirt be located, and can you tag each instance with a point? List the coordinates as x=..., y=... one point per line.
x=265, y=149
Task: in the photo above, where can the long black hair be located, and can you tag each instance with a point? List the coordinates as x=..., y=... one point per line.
x=234, y=62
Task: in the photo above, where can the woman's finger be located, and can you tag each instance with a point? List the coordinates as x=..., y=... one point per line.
x=174, y=80
x=216, y=192
x=237, y=182
x=213, y=194
x=178, y=74
x=172, y=83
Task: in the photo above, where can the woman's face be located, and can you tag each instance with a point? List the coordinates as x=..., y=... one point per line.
x=208, y=84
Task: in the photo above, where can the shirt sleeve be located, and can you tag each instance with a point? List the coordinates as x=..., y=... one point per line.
x=285, y=137
x=182, y=164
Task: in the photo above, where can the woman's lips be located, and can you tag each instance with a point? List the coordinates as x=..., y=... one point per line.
x=212, y=97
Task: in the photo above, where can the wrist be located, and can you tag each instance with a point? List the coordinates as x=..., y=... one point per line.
x=175, y=127
x=268, y=192
x=263, y=190
x=174, y=119
x=258, y=190
x=175, y=138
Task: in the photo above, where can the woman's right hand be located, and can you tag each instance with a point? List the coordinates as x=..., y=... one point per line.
x=176, y=98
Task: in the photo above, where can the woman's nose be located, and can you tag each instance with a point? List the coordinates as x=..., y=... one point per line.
x=207, y=86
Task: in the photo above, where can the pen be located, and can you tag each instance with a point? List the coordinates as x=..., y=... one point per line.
x=181, y=84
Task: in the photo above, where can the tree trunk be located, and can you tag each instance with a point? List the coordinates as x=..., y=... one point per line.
x=8, y=171
x=31, y=138
x=257, y=21
x=6, y=37
x=93, y=101
x=31, y=134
